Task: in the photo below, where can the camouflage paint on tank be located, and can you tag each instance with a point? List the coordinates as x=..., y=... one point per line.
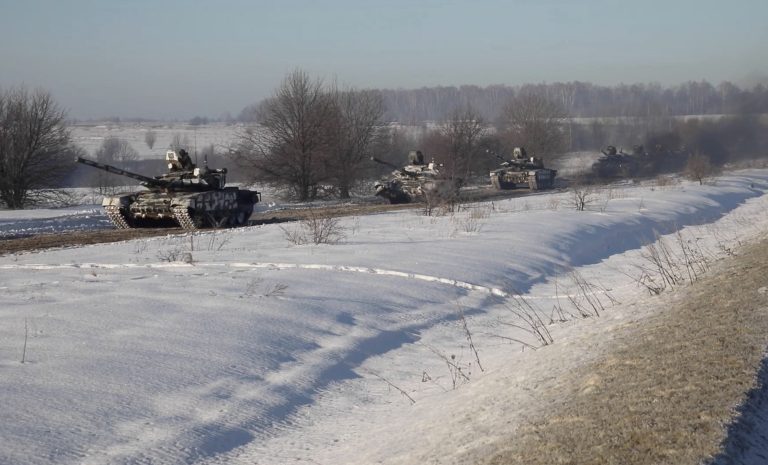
x=416, y=182
x=522, y=170
x=186, y=196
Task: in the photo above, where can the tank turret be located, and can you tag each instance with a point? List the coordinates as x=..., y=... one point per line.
x=522, y=169
x=186, y=196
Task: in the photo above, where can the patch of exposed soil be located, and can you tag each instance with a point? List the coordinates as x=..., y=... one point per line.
x=77, y=238
x=665, y=392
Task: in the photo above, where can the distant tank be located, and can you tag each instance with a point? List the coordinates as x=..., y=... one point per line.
x=619, y=164
x=416, y=182
x=186, y=196
x=522, y=170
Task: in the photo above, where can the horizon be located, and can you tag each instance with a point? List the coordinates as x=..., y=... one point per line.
x=219, y=119
x=103, y=60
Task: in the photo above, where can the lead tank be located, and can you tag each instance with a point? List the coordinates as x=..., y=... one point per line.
x=416, y=182
x=521, y=169
x=186, y=196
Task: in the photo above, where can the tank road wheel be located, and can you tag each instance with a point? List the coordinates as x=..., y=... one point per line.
x=238, y=218
x=185, y=220
x=198, y=219
x=216, y=219
x=117, y=217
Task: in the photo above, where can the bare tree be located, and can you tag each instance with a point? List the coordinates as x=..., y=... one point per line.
x=116, y=150
x=699, y=168
x=583, y=196
x=179, y=142
x=291, y=144
x=149, y=138
x=533, y=121
x=463, y=134
x=35, y=147
x=355, y=131
x=113, y=151
x=208, y=152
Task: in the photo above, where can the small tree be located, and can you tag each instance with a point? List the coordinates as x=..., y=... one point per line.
x=699, y=168
x=355, y=130
x=208, y=152
x=179, y=142
x=535, y=122
x=113, y=151
x=149, y=138
x=463, y=134
x=35, y=147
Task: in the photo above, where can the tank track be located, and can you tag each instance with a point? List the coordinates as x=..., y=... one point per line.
x=181, y=214
x=117, y=218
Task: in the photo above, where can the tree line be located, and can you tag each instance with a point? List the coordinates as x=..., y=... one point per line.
x=578, y=99
x=313, y=138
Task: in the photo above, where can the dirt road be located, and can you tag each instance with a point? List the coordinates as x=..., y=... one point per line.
x=75, y=238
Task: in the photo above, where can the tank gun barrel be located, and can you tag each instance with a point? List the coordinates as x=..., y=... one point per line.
x=497, y=156
x=385, y=163
x=500, y=157
x=149, y=182
x=399, y=169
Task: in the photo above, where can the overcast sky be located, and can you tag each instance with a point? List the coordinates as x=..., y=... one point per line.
x=180, y=58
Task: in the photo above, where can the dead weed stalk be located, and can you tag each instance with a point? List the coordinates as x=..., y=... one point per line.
x=528, y=319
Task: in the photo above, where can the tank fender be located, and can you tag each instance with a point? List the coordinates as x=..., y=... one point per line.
x=121, y=201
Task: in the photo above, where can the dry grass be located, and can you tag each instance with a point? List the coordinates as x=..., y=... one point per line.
x=668, y=388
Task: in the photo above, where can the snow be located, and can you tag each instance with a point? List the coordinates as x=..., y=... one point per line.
x=52, y=220
x=91, y=136
x=261, y=351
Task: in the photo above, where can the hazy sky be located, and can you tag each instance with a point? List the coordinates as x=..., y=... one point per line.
x=177, y=59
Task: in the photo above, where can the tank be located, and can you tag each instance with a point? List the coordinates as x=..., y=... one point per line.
x=185, y=196
x=619, y=164
x=416, y=182
x=522, y=171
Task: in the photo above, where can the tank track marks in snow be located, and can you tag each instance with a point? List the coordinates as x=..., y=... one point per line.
x=116, y=217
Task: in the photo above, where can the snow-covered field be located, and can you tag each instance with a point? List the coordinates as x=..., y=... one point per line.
x=90, y=137
x=261, y=351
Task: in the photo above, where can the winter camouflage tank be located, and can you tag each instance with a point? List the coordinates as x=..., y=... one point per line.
x=522, y=170
x=416, y=182
x=185, y=196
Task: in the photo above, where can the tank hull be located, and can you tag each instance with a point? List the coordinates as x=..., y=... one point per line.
x=537, y=179
x=189, y=210
x=417, y=183
x=399, y=192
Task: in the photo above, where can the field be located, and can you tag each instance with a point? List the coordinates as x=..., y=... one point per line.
x=401, y=339
x=90, y=136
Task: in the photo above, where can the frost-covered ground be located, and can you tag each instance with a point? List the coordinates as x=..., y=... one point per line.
x=261, y=351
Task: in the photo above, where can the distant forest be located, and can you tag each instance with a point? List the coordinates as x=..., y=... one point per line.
x=578, y=99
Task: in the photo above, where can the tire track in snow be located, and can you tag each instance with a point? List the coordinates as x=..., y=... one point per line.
x=269, y=266
x=494, y=291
